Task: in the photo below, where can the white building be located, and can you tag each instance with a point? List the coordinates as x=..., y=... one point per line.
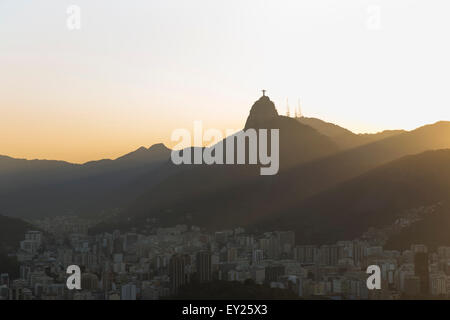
x=129, y=292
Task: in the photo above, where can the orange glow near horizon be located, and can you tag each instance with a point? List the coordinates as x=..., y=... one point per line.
x=135, y=72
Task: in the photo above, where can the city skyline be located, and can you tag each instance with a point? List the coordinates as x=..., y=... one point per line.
x=219, y=159
x=271, y=264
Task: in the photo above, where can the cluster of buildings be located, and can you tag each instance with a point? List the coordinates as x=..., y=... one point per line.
x=130, y=266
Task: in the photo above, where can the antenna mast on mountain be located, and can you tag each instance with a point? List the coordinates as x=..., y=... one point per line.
x=288, y=114
x=299, y=111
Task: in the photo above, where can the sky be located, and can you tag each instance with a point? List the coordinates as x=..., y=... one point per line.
x=137, y=70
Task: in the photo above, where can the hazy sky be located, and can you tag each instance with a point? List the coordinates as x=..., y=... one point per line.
x=137, y=70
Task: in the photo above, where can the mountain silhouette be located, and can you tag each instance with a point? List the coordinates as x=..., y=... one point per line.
x=262, y=111
x=193, y=186
x=217, y=198
x=374, y=199
x=145, y=184
x=308, y=179
x=41, y=187
x=345, y=139
x=298, y=143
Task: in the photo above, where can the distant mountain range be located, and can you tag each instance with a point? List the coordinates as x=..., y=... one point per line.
x=345, y=139
x=34, y=188
x=373, y=199
x=220, y=197
x=332, y=184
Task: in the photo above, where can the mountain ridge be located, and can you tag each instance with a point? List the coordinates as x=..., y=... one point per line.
x=243, y=205
x=345, y=138
x=68, y=188
x=154, y=147
x=373, y=199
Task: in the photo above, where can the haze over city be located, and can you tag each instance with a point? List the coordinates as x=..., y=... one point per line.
x=229, y=158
